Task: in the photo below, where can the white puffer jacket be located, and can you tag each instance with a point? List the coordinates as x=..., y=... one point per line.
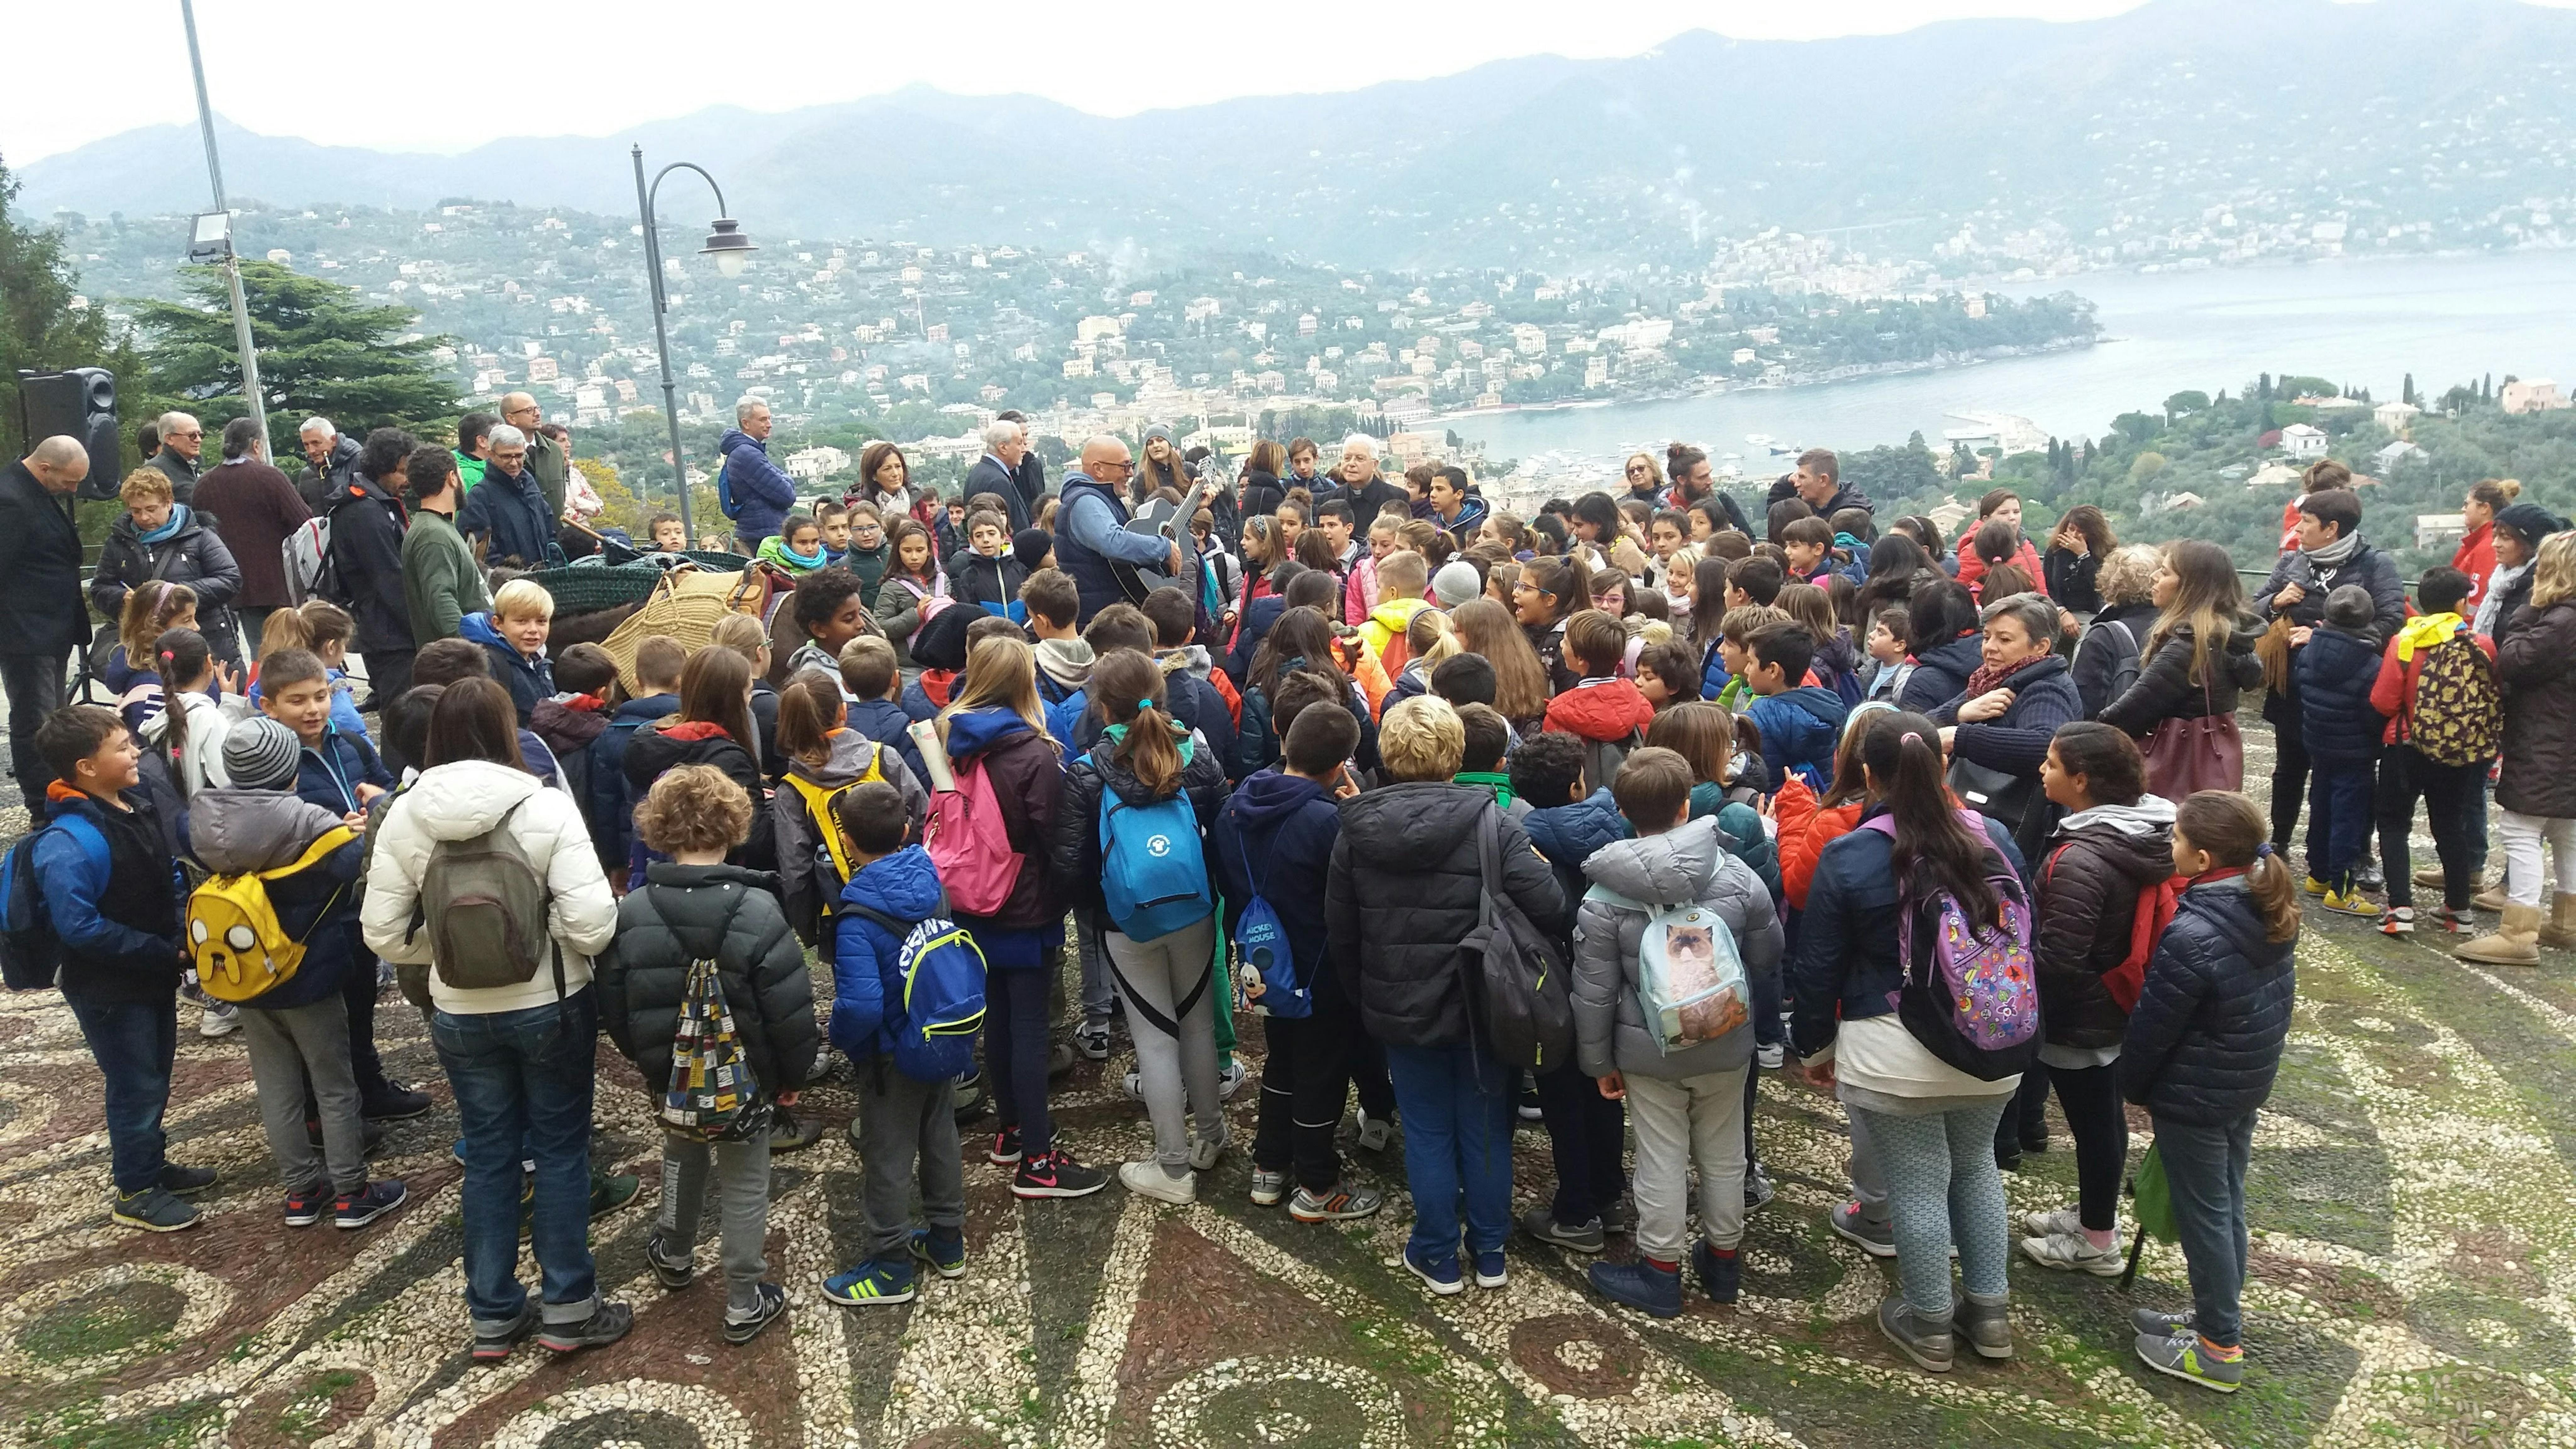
x=202, y=766
x=464, y=799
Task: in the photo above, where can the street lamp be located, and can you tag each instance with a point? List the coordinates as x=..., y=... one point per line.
x=731, y=249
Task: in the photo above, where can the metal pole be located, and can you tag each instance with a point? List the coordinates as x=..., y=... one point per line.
x=232, y=264
x=662, y=340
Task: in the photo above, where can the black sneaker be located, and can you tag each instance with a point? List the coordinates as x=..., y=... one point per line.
x=606, y=1324
x=494, y=1345
x=1005, y=1151
x=1527, y=1106
x=1056, y=1174
x=305, y=1206
x=773, y=1302
x=353, y=1210
x=1758, y=1191
x=154, y=1210
x=397, y=1103
x=186, y=1181
x=370, y=1143
x=675, y=1274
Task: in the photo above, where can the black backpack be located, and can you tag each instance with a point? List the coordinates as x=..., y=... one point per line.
x=2127, y=658
x=1519, y=999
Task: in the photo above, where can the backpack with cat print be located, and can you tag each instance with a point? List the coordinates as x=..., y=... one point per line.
x=2459, y=711
x=1971, y=994
x=942, y=970
x=1690, y=981
x=712, y=1095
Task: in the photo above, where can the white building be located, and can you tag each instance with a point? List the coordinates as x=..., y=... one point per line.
x=2303, y=441
x=2395, y=416
x=2530, y=395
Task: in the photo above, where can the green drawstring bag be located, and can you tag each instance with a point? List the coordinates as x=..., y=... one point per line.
x=2151, y=1198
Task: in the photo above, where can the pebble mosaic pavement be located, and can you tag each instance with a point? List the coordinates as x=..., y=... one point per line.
x=2414, y=1213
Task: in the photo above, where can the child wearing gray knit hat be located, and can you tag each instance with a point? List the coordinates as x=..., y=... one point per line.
x=261, y=754
x=1456, y=583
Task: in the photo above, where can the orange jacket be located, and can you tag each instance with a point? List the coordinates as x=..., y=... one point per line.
x=1805, y=831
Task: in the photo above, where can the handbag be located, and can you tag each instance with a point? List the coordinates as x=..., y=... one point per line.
x=2189, y=755
x=1996, y=794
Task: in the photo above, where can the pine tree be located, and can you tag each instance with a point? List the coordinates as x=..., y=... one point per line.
x=40, y=330
x=322, y=352
x=2408, y=396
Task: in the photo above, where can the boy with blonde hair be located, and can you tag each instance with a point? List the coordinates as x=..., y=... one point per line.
x=514, y=635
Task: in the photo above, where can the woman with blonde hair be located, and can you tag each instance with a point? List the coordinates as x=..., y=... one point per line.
x=2536, y=782
x=2198, y=655
x=2112, y=647
x=159, y=539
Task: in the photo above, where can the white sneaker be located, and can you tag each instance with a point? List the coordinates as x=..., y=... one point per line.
x=219, y=1019
x=1771, y=1056
x=1232, y=1078
x=2050, y=1224
x=2075, y=1253
x=1374, y=1131
x=1204, y=1152
x=1148, y=1179
x=1133, y=1084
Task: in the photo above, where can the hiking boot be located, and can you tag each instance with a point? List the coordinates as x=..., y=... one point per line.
x=606, y=1324
x=154, y=1210
x=491, y=1345
x=397, y=1103
x=872, y=1284
x=1374, y=1131
x=1204, y=1152
x=1441, y=1273
x=1339, y=1203
x=353, y=1210
x=1583, y=1237
x=772, y=1302
x=306, y=1205
x=1148, y=1179
x=610, y=1191
x=2349, y=902
x=1985, y=1328
x=2184, y=1356
x=1491, y=1272
x=1721, y=1275
x=2515, y=943
x=2397, y=921
x=791, y=1133
x=1876, y=1239
x=1641, y=1285
x=944, y=1249
x=1268, y=1187
x=1092, y=1041
x=1005, y=1151
x=181, y=1181
x=1928, y=1344
x=2559, y=931
x=2152, y=1324
x=221, y=1018
x=1056, y=1174
x=2075, y=1253
x=675, y=1273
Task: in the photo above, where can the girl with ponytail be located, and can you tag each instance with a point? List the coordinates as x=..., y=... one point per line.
x=1922, y=1130
x=189, y=730
x=1547, y=593
x=1145, y=761
x=2202, y=1047
x=823, y=758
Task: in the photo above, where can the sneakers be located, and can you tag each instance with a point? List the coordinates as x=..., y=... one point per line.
x=1132, y=1085
x=1490, y=1272
x=2153, y=1324
x=673, y=1273
x=491, y=1345
x=1231, y=1080
x=967, y=1098
x=1374, y=1131
x=1528, y=1106
x=221, y=1018
x=2185, y=1357
x=1268, y=1187
x=1983, y=1327
x=1204, y=1152
x=1338, y=1204
x=2350, y=903
x=2034, y=1138
x=2055, y=1220
x=1758, y=1191
x=791, y=1133
x=2450, y=922
x=1584, y=1237
x=2313, y=886
x=610, y=1191
x=1772, y=1056
x=1928, y=1344
x=1056, y=1174
x=1440, y=1273
x=2368, y=877
x=154, y=1210
x=1618, y=1215
x=397, y=1103
x=1148, y=1179
x=305, y=1206
x=371, y=1140
x=606, y=1324
x=2074, y=1253
x=871, y=1284
x=181, y=1181
x=1656, y=1292
x=771, y=1302
x=1092, y=1041
x=1721, y=1275
x=2397, y=921
x=1876, y=1239
x=944, y=1249
x=1005, y=1151
x=1060, y=1059
x=353, y=1210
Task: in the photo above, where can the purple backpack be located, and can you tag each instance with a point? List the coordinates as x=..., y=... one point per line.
x=1975, y=1003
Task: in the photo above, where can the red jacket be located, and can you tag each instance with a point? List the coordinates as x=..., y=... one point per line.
x=1805, y=831
x=1973, y=568
x=1608, y=709
x=2476, y=558
x=2393, y=693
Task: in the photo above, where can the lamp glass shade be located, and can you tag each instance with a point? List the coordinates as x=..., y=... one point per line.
x=728, y=246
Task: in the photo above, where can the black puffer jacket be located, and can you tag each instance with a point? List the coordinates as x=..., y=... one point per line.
x=665, y=743
x=2166, y=689
x=1073, y=836
x=2204, y=1041
x=685, y=914
x=194, y=556
x=367, y=524
x=2538, y=665
x=1941, y=673
x=2086, y=898
x=2116, y=635
x=1404, y=889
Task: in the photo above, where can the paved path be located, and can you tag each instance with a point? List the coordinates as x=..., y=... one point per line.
x=2414, y=1284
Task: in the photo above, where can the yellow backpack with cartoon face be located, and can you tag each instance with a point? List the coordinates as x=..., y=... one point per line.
x=240, y=949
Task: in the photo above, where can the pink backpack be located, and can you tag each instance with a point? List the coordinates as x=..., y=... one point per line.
x=967, y=842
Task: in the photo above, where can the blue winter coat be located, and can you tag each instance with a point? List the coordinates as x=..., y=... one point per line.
x=2335, y=672
x=886, y=722
x=1845, y=966
x=1566, y=836
x=1275, y=837
x=511, y=516
x=867, y=989
x=1800, y=728
x=762, y=492
x=2204, y=1040
x=1941, y=674
x=528, y=680
x=2016, y=741
x=329, y=773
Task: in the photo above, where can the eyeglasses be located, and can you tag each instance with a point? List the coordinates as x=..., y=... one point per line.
x=1636, y=468
x=1122, y=466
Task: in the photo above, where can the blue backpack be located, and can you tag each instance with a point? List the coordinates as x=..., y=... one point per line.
x=1263, y=939
x=724, y=489
x=30, y=953
x=942, y=970
x=1151, y=867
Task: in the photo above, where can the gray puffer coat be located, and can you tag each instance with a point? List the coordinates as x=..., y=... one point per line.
x=1684, y=865
x=687, y=913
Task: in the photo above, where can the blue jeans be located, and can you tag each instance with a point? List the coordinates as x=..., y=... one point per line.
x=2339, y=819
x=134, y=1043
x=1457, y=1110
x=525, y=1077
x=2205, y=1167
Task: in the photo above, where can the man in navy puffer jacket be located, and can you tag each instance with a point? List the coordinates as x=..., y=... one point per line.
x=760, y=490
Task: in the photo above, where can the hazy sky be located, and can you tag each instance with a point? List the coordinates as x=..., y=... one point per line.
x=408, y=75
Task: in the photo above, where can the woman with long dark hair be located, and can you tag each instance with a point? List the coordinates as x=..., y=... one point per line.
x=2077, y=548
x=885, y=481
x=1929, y=1126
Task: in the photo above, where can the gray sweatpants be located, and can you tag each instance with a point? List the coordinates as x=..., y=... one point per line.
x=285, y=1047
x=906, y=1126
x=1683, y=1122
x=1176, y=1073
x=742, y=1198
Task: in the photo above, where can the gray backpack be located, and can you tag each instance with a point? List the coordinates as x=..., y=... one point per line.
x=485, y=905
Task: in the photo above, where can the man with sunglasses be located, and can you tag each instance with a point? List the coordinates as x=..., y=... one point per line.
x=1092, y=536
x=182, y=439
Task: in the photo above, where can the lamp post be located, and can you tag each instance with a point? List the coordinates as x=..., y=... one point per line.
x=214, y=233
x=731, y=249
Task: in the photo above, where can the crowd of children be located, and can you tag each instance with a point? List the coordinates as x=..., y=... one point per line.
x=1739, y=800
